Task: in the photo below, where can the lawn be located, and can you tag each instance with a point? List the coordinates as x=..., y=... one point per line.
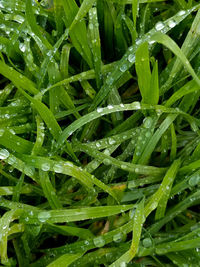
x=99, y=133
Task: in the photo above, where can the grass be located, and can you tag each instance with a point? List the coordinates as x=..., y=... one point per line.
x=99, y=133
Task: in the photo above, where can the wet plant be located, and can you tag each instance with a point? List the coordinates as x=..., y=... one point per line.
x=99, y=133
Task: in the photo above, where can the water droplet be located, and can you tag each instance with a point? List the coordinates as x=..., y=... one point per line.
x=122, y=105
x=106, y=161
x=147, y=242
x=11, y=160
x=137, y=105
x=29, y=170
x=171, y=23
x=131, y=213
x=91, y=26
x=131, y=58
x=138, y=41
x=99, y=110
x=98, y=144
x=44, y=216
x=110, y=80
x=194, y=180
x=148, y=134
x=123, y=166
x=45, y=167
x=110, y=107
x=99, y=241
x=159, y=26
x=123, y=264
x=4, y=154
x=118, y=237
x=58, y=168
x=123, y=68
x=181, y=12
x=147, y=122
x=136, y=170
x=22, y=47
x=151, y=42
x=1, y=132
x=111, y=141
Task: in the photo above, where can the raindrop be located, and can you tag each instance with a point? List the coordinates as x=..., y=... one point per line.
x=147, y=242
x=131, y=58
x=98, y=144
x=147, y=134
x=43, y=216
x=159, y=26
x=45, y=167
x=29, y=170
x=131, y=213
x=123, y=68
x=111, y=141
x=11, y=160
x=22, y=47
x=110, y=80
x=151, y=42
x=58, y=168
x=148, y=122
x=91, y=26
x=1, y=132
x=123, y=264
x=181, y=12
x=4, y=154
x=137, y=105
x=171, y=23
x=110, y=107
x=138, y=41
x=106, y=161
x=123, y=166
x=194, y=180
x=99, y=110
x=99, y=242
x=118, y=237
x=122, y=105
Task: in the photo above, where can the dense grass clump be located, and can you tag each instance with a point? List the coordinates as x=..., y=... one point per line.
x=99, y=133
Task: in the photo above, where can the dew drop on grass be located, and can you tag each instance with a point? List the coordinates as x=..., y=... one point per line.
x=131, y=213
x=44, y=216
x=106, y=161
x=148, y=122
x=4, y=154
x=147, y=242
x=111, y=141
x=45, y=167
x=29, y=170
x=194, y=180
x=99, y=241
x=171, y=23
x=98, y=144
x=110, y=107
x=181, y=12
x=151, y=42
x=58, y=168
x=137, y=105
x=1, y=132
x=123, y=68
x=159, y=26
x=91, y=26
x=118, y=237
x=131, y=58
x=22, y=47
x=123, y=264
x=99, y=110
x=148, y=134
